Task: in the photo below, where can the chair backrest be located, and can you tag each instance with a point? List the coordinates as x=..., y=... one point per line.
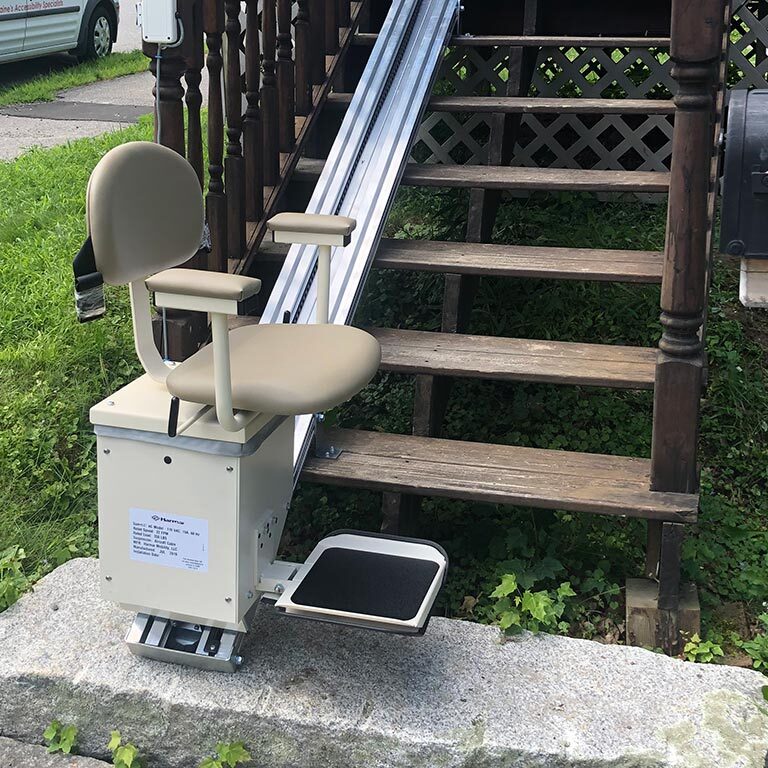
x=144, y=211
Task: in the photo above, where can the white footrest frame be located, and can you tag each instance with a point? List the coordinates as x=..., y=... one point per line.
x=368, y=580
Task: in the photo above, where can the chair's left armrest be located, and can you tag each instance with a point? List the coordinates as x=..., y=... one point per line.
x=202, y=291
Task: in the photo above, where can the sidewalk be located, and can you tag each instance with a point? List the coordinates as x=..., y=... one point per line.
x=78, y=113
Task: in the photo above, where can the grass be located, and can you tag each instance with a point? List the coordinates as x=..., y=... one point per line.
x=45, y=87
x=52, y=370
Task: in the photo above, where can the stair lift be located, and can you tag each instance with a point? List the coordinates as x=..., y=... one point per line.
x=195, y=459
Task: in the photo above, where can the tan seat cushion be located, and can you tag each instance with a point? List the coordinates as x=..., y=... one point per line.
x=284, y=370
x=199, y=282
x=312, y=224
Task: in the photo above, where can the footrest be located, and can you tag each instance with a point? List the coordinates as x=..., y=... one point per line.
x=368, y=580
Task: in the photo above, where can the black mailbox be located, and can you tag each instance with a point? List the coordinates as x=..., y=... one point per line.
x=744, y=225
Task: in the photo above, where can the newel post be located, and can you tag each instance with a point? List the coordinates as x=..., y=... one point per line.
x=696, y=45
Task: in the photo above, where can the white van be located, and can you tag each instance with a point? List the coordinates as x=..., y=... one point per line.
x=85, y=28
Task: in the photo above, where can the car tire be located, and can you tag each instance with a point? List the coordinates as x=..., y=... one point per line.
x=100, y=35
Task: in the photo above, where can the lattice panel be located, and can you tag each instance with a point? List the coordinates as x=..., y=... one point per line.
x=749, y=40
x=610, y=142
x=603, y=73
x=566, y=141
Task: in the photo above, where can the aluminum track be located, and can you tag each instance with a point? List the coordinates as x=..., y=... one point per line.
x=364, y=168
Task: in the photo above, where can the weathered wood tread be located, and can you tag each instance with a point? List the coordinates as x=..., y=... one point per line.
x=535, y=105
x=502, y=177
x=498, y=474
x=493, y=357
x=520, y=261
x=368, y=39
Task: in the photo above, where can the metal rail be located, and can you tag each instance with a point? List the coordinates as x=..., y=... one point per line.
x=364, y=168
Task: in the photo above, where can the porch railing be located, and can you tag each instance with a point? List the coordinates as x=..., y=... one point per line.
x=269, y=65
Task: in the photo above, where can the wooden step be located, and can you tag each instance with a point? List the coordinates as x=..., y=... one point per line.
x=493, y=357
x=520, y=261
x=502, y=177
x=368, y=40
x=490, y=260
x=498, y=474
x=535, y=105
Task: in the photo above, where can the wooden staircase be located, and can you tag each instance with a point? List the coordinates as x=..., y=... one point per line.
x=423, y=464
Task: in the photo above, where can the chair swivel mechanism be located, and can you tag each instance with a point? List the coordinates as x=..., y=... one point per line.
x=196, y=458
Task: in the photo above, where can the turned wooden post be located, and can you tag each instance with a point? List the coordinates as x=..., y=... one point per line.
x=215, y=201
x=169, y=130
x=252, y=130
x=270, y=118
x=303, y=60
x=194, y=97
x=285, y=95
x=345, y=15
x=331, y=27
x=234, y=165
x=696, y=43
x=317, y=37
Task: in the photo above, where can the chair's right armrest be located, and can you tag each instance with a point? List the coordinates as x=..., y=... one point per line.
x=311, y=228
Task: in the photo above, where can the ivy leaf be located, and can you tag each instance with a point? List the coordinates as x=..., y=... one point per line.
x=233, y=754
x=565, y=590
x=507, y=587
x=764, y=690
x=50, y=733
x=67, y=738
x=509, y=619
x=125, y=755
x=115, y=741
x=536, y=603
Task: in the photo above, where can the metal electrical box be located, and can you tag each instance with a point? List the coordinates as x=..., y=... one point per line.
x=744, y=225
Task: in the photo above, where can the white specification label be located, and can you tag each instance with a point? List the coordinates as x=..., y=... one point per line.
x=173, y=540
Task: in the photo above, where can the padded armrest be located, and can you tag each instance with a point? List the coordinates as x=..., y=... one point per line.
x=312, y=224
x=208, y=285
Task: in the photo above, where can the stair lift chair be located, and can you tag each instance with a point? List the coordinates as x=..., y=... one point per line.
x=195, y=459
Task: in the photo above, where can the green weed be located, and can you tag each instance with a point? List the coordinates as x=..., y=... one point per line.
x=60, y=738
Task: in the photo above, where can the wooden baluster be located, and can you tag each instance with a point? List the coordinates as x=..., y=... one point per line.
x=303, y=60
x=215, y=201
x=344, y=13
x=696, y=42
x=252, y=131
x=317, y=37
x=285, y=95
x=234, y=165
x=169, y=130
x=331, y=27
x=269, y=95
x=194, y=98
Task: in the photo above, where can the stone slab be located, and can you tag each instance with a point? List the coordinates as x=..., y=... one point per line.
x=15, y=754
x=311, y=695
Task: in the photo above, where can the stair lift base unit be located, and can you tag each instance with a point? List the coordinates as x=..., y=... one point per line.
x=184, y=532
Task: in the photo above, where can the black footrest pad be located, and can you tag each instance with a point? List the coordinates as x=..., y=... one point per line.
x=369, y=583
